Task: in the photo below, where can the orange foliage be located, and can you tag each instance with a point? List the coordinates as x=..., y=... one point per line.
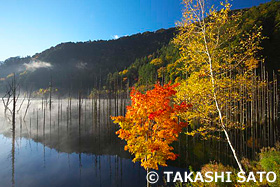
x=151, y=124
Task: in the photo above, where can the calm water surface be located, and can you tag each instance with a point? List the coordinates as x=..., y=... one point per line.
x=50, y=148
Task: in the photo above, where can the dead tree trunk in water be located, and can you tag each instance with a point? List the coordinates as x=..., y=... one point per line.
x=28, y=103
x=12, y=95
x=80, y=107
x=14, y=103
x=50, y=104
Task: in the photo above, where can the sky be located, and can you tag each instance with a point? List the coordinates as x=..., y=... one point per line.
x=31, y=26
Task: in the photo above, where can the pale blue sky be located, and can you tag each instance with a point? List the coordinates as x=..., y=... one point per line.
x=30, y=26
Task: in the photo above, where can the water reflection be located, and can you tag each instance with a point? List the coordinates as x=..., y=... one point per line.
x=84, y=133
x=37, y=165
x=13, y=158
x=70, y=145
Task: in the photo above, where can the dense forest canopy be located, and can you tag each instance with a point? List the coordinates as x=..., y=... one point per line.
x=144, y=71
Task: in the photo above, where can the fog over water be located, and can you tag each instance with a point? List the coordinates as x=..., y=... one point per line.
x=50, y=148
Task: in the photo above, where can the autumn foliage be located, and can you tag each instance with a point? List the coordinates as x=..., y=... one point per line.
x=151, y=124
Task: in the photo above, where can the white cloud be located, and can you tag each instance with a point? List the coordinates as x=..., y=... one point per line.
x=36, y=64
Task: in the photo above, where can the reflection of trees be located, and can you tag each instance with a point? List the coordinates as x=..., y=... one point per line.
x=94, y=135
x=13, y=158
x=97, y=135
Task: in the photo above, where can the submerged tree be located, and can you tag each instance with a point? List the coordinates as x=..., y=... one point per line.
x=11, y=98
x=151, y=124
x=219, y=63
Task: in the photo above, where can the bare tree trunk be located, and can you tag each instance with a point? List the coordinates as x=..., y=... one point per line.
x=217, y=104
x=80, y=108
x=50, y=104
x=28, y=104
x=14, y=103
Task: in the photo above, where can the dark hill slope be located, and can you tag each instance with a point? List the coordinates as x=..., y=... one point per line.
x=84, y=64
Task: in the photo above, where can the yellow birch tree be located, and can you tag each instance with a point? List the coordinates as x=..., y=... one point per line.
x=218, y=61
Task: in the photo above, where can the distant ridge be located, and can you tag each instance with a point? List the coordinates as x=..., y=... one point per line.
x=78, y=65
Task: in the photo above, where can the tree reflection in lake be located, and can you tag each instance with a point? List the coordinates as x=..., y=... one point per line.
x=51, y=148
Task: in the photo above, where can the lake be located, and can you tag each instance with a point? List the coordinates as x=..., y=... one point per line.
x=55, y=147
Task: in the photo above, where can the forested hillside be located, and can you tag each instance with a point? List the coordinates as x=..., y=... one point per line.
x=83, y=65
x=163, y=65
